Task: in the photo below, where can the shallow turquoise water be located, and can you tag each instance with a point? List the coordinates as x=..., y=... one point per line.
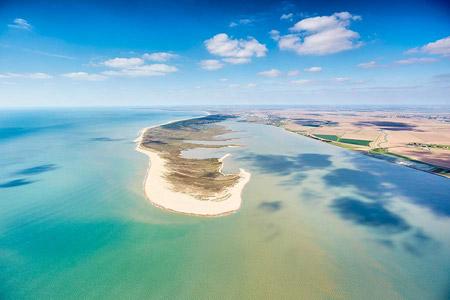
x=316, y=222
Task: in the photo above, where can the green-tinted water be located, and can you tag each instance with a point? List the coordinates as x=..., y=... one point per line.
x=316, y=222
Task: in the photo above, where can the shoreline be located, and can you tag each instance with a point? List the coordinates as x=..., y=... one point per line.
x=158, y=191
x=388, y=157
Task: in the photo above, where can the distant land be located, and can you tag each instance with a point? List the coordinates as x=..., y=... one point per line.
x=197, y=186
x=412, y=137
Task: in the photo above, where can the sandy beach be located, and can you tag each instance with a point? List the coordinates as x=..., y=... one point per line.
x=158, y=190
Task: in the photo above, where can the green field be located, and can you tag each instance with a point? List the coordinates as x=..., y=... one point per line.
x=335, y=138
x=355, y=142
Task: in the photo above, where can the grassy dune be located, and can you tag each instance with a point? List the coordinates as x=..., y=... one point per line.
x=200, y=178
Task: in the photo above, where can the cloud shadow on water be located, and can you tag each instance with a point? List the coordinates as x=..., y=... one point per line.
x=271, y=206
x=284, y=165
x=7, y=133
x=386, y=243
x=365, y=182
x=37, y=169
x=369, y=214
x=15, y=183
x=422, y=189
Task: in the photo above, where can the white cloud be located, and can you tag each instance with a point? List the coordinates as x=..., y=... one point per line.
x=270, y=73
x=223, y=79
x=313, y=69
x=301, y=81
x=293, y=73
x=38, y=75
x=211, y=64
x=368, y=65
x=237, y=60
x=159, y=56
x=136, y=67
x=288, y=16
x=274, y=34
x=240, y=22
x=123, y=63
x=439, y=47
x=235, y=51
x=416, y=60
x=342, y=79
x=84, y=76
x=321, y=35
x=143, y=71
x=19, y=23
x=251, y=85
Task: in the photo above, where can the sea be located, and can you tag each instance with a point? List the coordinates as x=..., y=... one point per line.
x=316, y=221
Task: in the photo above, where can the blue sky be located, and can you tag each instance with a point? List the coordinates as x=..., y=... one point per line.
x=91, y=53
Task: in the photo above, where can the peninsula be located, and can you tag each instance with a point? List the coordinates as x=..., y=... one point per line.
x=195, y=186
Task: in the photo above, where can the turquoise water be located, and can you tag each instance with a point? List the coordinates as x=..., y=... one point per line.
x=317, y=221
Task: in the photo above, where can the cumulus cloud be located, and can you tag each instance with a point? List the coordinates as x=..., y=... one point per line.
x=38, y=75
x=136, y=67
x=211, y=64
x=293, y=73
x=416, y=60
x=122, y=62
x=313, y=69
x=19, y=23
x=439, y=47
x=301, y=81
x=240, y=22
x=368, y=65
x=320, y=35
x=235, y=51
x=270, y=73
x=143, y=71
x=159, y=56
x=288, y=16
x=84, y=76
x=274, y=34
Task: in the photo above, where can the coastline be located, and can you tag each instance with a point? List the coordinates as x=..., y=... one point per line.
x=388, y=157
x=158, y=191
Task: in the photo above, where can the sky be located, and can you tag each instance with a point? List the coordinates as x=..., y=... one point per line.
x=144, y=53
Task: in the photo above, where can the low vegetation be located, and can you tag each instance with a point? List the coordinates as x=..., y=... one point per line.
x=199, y=177
x=435, y=146
x=335, y=138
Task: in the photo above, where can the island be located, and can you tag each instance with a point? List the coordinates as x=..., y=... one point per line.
x=194, y=186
